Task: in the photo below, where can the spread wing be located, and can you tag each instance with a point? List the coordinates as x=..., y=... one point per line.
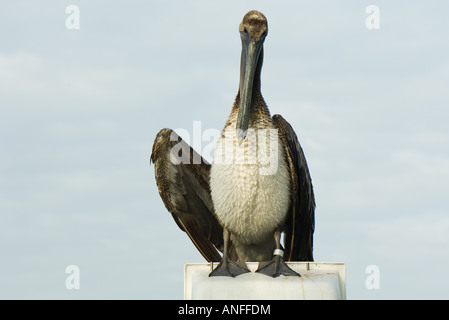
x=182, y=177
x=300, y=223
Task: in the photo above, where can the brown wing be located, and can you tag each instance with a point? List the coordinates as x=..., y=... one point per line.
x=182, y=177
x=300, y=223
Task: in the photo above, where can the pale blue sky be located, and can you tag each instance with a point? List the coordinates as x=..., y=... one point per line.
x=80, y=109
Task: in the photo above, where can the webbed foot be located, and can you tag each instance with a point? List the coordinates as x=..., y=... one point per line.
x=275, y=267
x=229, y=268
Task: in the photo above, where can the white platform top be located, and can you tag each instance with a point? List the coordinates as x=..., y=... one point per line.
x=319, y=280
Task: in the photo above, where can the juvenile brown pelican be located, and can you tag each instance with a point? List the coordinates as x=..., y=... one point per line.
x=242, y=203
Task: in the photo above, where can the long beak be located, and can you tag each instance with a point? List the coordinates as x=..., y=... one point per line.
x=250, y=55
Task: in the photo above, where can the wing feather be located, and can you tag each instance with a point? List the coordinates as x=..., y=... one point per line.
x=300, y=223
x=184, y=188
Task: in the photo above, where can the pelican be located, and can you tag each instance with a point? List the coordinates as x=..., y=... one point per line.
x=257, y=187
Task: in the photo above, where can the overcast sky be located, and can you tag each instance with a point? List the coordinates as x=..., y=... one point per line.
x=79, y=110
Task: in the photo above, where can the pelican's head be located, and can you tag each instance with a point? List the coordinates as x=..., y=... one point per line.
x=253, y=30
x=254, y=25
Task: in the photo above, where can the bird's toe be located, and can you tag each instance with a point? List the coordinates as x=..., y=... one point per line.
x=229, y=268
x=276, y=267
